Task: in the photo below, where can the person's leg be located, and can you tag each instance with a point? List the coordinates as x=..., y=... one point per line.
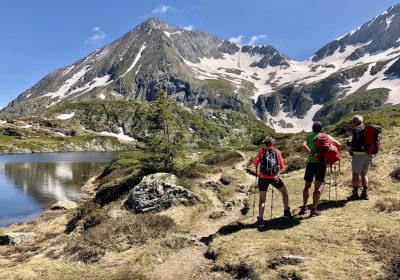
x=261, y=204
x=308, y=178
x=356, y=166
x=285, y=197
x=365, y=182
x=364, y=177
x=319, y=180
x=316, y=194
x=306, y=192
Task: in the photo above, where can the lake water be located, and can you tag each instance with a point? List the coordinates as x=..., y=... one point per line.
x=31, y=183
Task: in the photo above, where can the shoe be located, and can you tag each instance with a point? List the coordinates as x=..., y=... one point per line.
x=314, y=213
x=259, y=221
x=353, y=196
x=364, y=196
x=287, y=213
x=303, y=210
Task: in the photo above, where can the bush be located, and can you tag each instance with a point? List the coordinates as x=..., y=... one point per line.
x=395, y=174
x=192, y=171
x=294, y=163
x=116, y=235
x=388, y=204
x=221, y=156
x=393, y=269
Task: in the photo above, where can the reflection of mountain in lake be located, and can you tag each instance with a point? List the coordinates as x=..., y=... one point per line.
x=48, y=182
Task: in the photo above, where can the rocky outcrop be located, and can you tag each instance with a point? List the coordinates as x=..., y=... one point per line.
x=64, y=205
x=15, y=238
x=158, y=192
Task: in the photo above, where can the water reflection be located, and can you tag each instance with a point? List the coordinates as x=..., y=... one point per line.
x=29, y=184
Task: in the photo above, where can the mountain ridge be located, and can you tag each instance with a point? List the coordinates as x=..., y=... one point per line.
x=199, y=70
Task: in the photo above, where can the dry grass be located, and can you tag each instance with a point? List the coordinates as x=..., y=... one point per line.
x=332, y=245
x=117, y=235
x=388, y=204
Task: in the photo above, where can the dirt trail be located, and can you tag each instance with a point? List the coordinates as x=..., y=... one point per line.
x=190, y=263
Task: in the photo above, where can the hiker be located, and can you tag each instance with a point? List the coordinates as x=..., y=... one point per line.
x=316, y=167
x=270, y=162
x=361, y=160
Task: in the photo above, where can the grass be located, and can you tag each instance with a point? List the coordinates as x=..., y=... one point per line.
x=119, y=245
x=333, y=244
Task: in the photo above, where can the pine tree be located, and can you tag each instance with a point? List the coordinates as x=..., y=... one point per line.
x=165, y=137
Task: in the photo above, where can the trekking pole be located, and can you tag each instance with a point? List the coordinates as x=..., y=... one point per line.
x=255, y=190
x=272, y=200
x=330, y=180
x=335, y=176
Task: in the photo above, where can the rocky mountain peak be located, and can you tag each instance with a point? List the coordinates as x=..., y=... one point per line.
x=379, y=34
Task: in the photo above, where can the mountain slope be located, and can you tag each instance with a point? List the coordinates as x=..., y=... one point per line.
x=199, y=70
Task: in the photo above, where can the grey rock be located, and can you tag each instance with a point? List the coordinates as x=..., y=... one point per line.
x=64, y=205
x=212, y=185
x=15, y=238
x=158, y=192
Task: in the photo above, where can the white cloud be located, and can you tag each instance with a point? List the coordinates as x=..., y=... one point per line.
x=256, y=38
x=161, y=9
x=253, y=39
x=237, y=40
x=98, y=36
x=188, y=28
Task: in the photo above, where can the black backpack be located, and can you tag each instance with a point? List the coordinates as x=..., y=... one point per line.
x=269, y=162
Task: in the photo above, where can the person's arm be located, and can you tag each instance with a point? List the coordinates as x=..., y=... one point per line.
x=280, y=159
x=258, y=158
x=337, y=143
x=306, y=149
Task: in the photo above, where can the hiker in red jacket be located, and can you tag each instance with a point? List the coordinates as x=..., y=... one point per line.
x=271, y=162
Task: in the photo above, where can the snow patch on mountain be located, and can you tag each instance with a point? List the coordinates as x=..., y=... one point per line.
x=120, y=136
x=96, y=82
x=68, y=84
x=297, y=125
x=137, y=57
x=65, y=116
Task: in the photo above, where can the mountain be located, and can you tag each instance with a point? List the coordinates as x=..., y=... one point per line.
x=359, y=71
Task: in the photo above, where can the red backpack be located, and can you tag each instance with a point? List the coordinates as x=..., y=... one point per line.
x=327, y=148
x=372, y=138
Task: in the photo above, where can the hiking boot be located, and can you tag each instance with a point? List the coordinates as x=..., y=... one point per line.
x=364, y=196
x=353, y=196
x=259, y=221
x=287, y=213
x=303, y=210
x=314, y=213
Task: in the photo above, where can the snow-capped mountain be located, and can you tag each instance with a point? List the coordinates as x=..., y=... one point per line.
x=359, y=71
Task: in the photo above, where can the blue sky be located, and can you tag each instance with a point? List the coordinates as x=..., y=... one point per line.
x=40, y=36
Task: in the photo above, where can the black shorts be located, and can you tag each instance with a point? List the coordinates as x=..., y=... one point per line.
x=315, y=169
x=263, y=183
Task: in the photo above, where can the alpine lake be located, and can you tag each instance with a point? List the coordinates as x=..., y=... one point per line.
x=31, y=183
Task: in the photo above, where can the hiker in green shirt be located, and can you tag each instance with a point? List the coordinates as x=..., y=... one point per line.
x=316, y=167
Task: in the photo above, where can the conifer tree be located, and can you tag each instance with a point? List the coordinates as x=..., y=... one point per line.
x=166, y=139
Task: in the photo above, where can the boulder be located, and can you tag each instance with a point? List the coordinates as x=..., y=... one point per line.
x=157, y=192
x=15, y=238
x=64, y=205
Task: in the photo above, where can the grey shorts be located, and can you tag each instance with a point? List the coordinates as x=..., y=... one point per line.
x=361, y=163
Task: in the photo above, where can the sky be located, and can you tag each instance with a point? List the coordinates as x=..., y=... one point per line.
x=39, y=36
